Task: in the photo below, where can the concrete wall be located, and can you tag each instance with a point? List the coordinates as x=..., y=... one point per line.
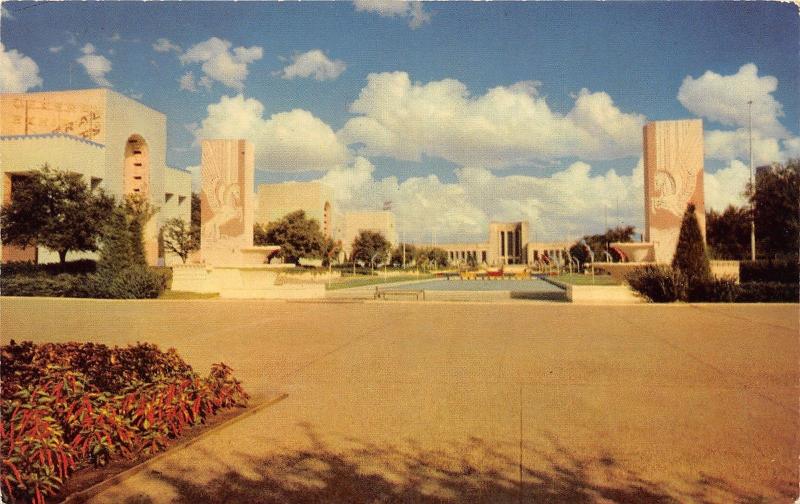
x=277, y=200
x=355, y=222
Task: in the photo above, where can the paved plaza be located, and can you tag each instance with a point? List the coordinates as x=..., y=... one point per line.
x=430, y=402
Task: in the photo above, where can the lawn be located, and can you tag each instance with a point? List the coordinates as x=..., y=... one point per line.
x=363, y=280
x=579, y=279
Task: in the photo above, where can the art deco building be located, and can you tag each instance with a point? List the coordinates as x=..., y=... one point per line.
x=115, y=142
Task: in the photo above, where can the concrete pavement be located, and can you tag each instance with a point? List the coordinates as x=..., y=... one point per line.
x=425, y=402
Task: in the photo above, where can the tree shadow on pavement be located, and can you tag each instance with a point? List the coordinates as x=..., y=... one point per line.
x=470, y=472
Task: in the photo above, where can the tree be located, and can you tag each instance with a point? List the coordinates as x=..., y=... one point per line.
x=776, y=201
x=397, y=254
x=728, y=233
x=138, y=212
x=122, y=235
x=179, y=238
x=330, y=250
x=431, y=257
x=297, y=235
x=690, y=254
x=55, y=209
x=196, y=217
x=370, y=247
x=598, y=242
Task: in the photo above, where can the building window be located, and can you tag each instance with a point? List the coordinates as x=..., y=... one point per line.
x=181, y=199
x=483, y=256
x=502, y=243
x=168, y=196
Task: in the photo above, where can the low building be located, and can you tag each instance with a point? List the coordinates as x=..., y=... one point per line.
x=315, y=198
x=356, y=222
x=507, y=244
x=115, y=142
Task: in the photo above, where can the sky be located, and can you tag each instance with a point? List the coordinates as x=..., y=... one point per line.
x=458, y=113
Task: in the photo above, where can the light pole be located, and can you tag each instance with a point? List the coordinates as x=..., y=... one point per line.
x=752, y=184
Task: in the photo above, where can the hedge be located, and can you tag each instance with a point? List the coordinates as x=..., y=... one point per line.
x=658, y=283
x=66, y=406
x=784, y=271
x=662, y=284
x=138, y=282
x=768, y=292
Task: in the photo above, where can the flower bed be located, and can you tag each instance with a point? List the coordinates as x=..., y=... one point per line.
x=72, y=405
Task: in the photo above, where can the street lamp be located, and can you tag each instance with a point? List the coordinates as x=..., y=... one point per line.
x=752, y=184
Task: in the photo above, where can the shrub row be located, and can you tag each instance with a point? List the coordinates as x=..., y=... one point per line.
x=663, y=284
x=60, y=413
x=138, y=282
x=784, y=271
x=81, y=266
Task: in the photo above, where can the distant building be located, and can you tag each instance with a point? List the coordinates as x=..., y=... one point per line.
x=507, y=244
x=115, y=142
x=356, y=222
x=315, y=198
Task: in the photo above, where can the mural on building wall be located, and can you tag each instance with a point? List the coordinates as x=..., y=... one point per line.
x=38, y=116
x=673, y=156
x=222, y=196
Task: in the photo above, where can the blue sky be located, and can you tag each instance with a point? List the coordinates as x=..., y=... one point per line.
x=637, y=55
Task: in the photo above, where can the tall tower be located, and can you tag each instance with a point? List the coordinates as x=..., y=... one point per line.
x=673, y=178
x=226, y=200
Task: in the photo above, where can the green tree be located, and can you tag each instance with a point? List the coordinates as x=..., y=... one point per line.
x=690, y=255
x=123, y=235
x=598, y=242
x=330, y=250
x=179, y=238
x=370, y=247
x=431, y=257
x=776, y=201
x=196, y=217
x=728, y=233
x=297, y=235
x=397, y=254
x=138, y=211
x=55, y=209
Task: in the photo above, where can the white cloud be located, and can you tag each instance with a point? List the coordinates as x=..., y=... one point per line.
x=187, y=82
x=116, y=37
x=412, y=10
x=313, y=63
x=163, y=45
x=508, y=125
x=56, y=49
x=726, y=186
x=735, y=144
x=286, y=141
x=5, y=13
x=564, y=205
x=791, y=148
x=18, y=73
x=221, y=62
x=96, y=65
x=723, y=98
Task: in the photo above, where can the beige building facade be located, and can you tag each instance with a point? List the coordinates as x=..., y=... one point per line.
x=314, y=198
x=356, y=222
x=507, y=244
x=115, y=142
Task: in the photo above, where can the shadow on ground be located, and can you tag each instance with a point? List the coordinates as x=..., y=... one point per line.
x=470, y=472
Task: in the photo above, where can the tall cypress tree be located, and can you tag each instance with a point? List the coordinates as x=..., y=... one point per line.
x=690, y=255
